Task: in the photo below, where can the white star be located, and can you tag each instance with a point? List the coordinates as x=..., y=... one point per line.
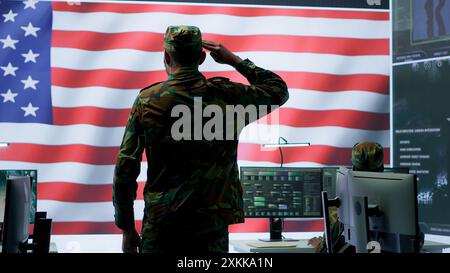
x=29, y=110
x=8, y=42
x=9, y=70
x=9, y=96
x=30, y=30
x=30, y=4
x=29, y=83
x=30, y=56
x=9, y=16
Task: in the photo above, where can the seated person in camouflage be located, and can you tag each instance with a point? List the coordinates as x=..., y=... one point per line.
x=192, y=192
x=367, y=157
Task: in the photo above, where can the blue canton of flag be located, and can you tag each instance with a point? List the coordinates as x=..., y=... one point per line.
x=25, y=79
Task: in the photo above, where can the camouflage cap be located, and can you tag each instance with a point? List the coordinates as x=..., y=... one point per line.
x=367, y=156
x=182, y=36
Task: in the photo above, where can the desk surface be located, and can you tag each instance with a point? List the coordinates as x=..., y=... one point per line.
x=242, y=246
x=303, y=247
x=53, y=248
x=434, y=247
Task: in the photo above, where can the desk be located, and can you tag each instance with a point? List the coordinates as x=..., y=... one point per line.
x=433, y=247
x=53, y=248
x=243, y=247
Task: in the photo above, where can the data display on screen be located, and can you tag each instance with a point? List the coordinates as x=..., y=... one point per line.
x=421, y=136
x=430, y=20
x=281, y=192
x=421, y=29
x=329, y=181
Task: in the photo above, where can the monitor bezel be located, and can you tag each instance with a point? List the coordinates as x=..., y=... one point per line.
x=34, y=185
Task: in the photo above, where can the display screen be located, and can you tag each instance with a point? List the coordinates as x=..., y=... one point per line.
x=421, y=135
x=4, y=174
x=94, y=56
x=329, y=181
x=282, y=192
x=430, y=20
x=421, y=29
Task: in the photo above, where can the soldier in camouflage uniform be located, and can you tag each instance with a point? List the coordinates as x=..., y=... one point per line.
x=368, y=157
x=192, y=191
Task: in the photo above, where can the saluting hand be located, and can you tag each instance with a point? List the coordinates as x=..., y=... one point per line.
x=221, y=54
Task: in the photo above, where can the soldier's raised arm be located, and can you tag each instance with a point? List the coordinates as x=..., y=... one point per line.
x=266, y=87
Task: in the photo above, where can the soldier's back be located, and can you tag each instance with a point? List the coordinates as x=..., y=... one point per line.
x=193, y=185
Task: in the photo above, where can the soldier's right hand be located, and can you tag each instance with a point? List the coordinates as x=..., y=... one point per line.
x=131, y=242
x=316, y=243
x=221, y=54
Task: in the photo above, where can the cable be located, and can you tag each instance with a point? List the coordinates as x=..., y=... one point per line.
x=281, y=150
x=281, y=157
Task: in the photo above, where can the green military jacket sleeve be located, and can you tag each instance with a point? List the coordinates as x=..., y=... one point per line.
x=266, y=87
x=127, y=169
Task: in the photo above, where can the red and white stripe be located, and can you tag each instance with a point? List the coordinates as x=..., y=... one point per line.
x=335, y=62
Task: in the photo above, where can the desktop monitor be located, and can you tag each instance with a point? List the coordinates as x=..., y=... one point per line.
x=329, y=181
x=4, y=174
x=278, y=192
x=330, y=176
x=381, y=207
x=16, y=216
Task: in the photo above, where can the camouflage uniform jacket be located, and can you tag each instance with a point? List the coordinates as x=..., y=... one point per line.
x=336, y=229
x=192, y=186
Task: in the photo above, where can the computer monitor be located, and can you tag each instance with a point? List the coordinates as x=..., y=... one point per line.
x=380, y=207
x=278, y=192
x=33, y=174
x=16, y=215
x=329, y=181
x=330, y=175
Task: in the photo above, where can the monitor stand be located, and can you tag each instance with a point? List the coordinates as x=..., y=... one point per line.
x=276, y=229
x=361, y=220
